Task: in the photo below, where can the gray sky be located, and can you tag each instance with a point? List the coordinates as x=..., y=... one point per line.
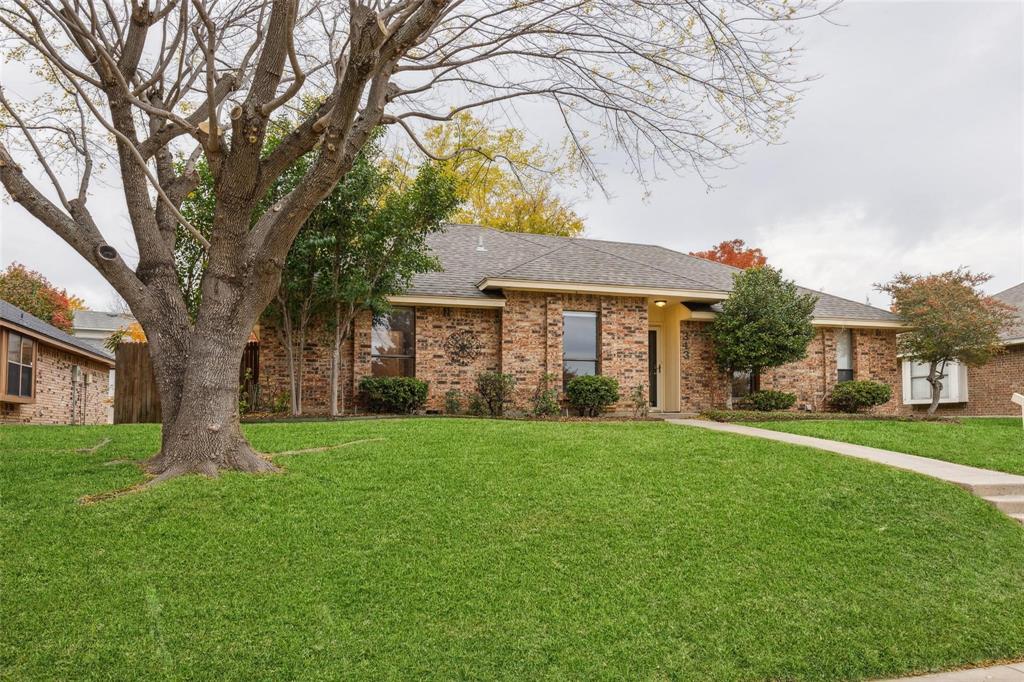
x=905, y=155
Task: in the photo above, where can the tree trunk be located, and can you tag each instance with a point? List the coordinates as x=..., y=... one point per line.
x=341, y=329
x=204, y=434
x=935, y=380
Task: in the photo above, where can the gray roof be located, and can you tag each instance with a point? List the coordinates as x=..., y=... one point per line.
x=101, y=320
x=1014, y=296
x=15, y=315
x=544, y=258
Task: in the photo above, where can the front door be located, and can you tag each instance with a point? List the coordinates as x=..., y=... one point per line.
x=653, y=367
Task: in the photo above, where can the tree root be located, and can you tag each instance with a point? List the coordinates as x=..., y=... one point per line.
x=325, y=448
x=94, y=448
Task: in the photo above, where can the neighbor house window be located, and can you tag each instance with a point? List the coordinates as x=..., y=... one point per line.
x=393, y=344
x=19, y=367
x=844, y=355
x=745, y=382
x=917, y=390
x=579, y=345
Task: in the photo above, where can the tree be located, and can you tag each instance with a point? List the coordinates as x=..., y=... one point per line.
x=765, y=322
x=507, y=184
x=734, y=252
x=139, y=88
x=950, y=319
x=34, y=294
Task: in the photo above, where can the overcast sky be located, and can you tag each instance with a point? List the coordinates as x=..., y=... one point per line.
x=905, y=155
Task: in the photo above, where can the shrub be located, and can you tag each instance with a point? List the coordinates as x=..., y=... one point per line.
x=545, y=399
x=476, y=406
x=592, y=395
x=852, y=396
x=768, y=401
x=452, y=402
x=401, y=395
x=641, y=406
x=495, y=391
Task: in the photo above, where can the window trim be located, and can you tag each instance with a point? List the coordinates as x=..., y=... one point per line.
x=956, y=377
x=396, y=356
x=597, y=343
x=4, y=342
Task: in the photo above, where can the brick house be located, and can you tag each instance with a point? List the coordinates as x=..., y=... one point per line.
x=49, y=376
x=977, y=391
x=528, y=304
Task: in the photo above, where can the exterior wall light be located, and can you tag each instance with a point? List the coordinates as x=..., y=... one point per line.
x=660, y=303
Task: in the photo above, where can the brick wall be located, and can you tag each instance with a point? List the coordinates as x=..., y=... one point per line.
x=316, y=372
x=702, y=386
x=434, y=363
x=59, y=399
x=989, y=387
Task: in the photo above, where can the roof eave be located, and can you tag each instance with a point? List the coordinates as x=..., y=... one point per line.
x=701, y=295
x=57, y=343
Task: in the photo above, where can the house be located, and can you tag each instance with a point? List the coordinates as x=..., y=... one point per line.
x=49, y=376
x=976, y=391
x=96, y=326
x=528, y=304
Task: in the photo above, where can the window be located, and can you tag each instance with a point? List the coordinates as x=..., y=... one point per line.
x=579, y=345
x=745, y=382
x=393, y=344
x=18, y=367
x=844, y=355
x=917, y=390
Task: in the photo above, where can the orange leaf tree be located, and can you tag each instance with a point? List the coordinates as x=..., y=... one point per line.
x=34, y=294
x=734, y=252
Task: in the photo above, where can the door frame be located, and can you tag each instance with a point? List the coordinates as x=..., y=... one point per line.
x=659, y=342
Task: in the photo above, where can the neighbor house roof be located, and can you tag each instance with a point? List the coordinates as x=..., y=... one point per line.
x=479, y=262
x=1014, y=296
x=100, y=320
x=31, y=325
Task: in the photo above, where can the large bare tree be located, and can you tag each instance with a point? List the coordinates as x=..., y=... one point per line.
x=149, y=87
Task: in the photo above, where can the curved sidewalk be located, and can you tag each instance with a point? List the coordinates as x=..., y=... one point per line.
x=1005, y=491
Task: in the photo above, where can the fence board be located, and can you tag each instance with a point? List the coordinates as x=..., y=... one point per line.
x=136, y=399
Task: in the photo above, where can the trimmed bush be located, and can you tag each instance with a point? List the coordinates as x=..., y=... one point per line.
x=768, y=401
x=495, y=391
x=400, y=395
x=592, y=395
x=476, y=406
x=853, y=396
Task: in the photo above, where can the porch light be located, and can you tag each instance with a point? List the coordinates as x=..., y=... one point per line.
x=660, y=303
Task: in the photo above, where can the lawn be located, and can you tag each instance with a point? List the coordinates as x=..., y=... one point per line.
x=496, y=550
x=987, y=443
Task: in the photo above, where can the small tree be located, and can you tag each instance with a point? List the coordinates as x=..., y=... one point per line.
x=765, y=322
x=950, y=320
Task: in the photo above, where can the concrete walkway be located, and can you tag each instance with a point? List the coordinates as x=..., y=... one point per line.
x=1005, y=491
x=1013, y=672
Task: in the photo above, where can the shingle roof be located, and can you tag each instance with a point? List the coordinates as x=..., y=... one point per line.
x=101, y=320
x=545, y=258
x=1014, y=296
x=15, y=315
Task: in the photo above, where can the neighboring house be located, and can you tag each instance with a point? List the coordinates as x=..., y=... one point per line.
x=49, y=376
x=980, y=391
x=527, y=304
x=96, y=326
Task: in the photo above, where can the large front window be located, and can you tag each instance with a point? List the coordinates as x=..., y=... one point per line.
x=579, y=345
x=745, y=382
x=20, y=361
x=393, y=344
x=921, y=388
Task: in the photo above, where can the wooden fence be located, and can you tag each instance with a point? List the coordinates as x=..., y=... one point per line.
x=136, y=399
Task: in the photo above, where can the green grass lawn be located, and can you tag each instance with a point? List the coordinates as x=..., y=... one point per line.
x=987, y=443
x=496, y=550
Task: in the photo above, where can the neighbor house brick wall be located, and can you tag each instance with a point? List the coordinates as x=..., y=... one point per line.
x=989, y=387
x=60, y=399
